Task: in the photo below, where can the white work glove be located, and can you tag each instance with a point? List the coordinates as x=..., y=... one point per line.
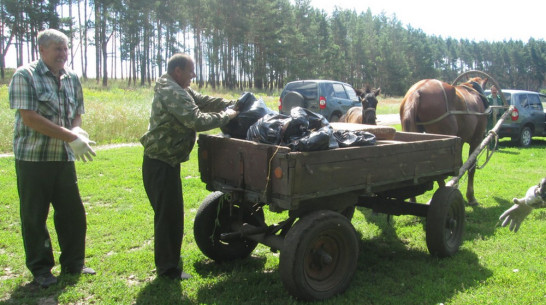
x=80, y=132
x=515, y=216
x=81, y=145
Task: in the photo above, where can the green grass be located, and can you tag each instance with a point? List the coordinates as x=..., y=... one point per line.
x=114, y=115
x=493, y=266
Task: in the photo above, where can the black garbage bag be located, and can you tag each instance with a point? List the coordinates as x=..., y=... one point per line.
x=315, y=140
x=308, y=131
x=269, y=129
x=303, y=121
x=346, y=138
x=251, y=109
x=303, y=130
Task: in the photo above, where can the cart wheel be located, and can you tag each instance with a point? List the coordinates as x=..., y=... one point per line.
x=348, y=212
x=445, y=222
x=216, y=216
x=319, y=256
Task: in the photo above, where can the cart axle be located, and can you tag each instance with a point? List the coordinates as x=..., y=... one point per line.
x=259, y=234
x=393, y=206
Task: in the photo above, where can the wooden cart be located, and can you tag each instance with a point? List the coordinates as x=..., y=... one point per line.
x=318, y=244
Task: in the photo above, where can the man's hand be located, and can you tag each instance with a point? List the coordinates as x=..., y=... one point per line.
x=515, y=216
x=232, y=113
x=81, y=145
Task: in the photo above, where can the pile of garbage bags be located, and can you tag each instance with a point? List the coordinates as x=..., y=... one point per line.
x=302, y=130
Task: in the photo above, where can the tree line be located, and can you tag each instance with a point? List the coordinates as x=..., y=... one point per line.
x=259, y=44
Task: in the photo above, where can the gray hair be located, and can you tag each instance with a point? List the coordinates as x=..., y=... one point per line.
x=177, y=60
x=48, y=36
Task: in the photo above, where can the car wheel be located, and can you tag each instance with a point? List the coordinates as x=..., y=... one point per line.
x=525, y=137
x=335, y=117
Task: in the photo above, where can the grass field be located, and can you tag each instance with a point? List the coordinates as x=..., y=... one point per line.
x=493, y=266
x=116, y=115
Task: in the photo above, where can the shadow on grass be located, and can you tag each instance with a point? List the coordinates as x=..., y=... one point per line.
x=536, y=142
x=388, y=272
x=32, y=293
x=161, y=291
x=484, y=221
x=245, y=281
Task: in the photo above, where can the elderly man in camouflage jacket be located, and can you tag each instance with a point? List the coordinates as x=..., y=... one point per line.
x=178, y=112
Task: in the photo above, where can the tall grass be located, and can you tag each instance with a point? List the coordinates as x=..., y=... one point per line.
x=117, y=114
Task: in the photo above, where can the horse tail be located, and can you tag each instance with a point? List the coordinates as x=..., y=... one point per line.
x=408, y=111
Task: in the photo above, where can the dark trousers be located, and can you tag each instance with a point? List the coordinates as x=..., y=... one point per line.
x=40, y=184
x=164, y=189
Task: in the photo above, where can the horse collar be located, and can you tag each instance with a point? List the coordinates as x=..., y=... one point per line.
x=480, y=91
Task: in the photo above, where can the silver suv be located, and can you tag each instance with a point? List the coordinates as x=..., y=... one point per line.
x=329, y=98
x=528, y=119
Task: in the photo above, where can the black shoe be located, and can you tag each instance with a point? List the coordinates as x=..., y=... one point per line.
x=87, y=270
x=176, y=275
x=83, y=270
x=184, y=276
x=45, y=280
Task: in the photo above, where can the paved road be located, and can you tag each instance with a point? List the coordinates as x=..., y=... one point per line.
x=388, y=119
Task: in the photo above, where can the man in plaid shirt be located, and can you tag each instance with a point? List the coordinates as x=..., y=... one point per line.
x=47, y=139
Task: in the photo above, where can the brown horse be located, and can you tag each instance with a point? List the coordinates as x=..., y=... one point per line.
x=366, y=113
x=433, y=106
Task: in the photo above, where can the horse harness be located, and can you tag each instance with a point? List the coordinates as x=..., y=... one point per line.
x=475, y=87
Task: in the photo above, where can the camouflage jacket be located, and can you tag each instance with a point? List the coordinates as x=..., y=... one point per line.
x=177, y=114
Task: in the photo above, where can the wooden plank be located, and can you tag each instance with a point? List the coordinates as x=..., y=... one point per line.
x=381, y=132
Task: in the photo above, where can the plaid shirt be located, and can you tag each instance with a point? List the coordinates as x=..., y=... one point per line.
x=34, y=87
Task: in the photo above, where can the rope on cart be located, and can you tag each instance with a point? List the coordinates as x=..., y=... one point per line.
x=268, y=178
x=490, y=151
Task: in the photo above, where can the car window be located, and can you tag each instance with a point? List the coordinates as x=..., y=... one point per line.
x=508, y=98
x=543, y=100
x=340, y=91
x=523, y=100
x=534, y=102
x=352, y=94
x=328, y=90
x=308, y=90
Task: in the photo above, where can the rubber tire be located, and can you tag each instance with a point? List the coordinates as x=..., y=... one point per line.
x=525, y=137
x=207, y=233
x=299, y=270
x=334, y=118
x=445, y=222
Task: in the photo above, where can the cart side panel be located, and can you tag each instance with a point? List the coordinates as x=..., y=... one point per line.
x=241, y=165
x=327, y=172
x=281, y=178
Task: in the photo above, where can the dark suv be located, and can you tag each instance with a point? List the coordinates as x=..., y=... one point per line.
x=528, y=118
x=330, y=98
